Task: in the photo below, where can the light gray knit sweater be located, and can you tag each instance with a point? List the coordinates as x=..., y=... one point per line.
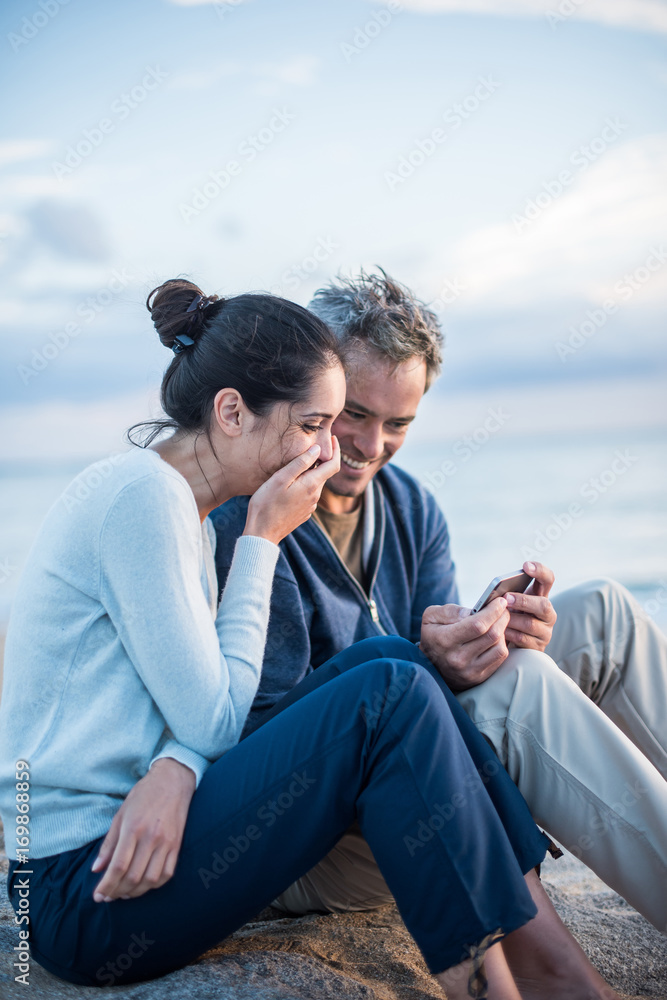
x=116, y=653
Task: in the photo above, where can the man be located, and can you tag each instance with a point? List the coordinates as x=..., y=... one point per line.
x=375, y=558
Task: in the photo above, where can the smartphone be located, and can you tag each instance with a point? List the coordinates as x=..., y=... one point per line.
x=514, y=583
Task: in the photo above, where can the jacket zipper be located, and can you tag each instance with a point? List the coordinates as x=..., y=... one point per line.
x=367, y=599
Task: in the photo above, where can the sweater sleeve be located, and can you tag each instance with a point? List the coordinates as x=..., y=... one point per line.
x=202, y=674
x=176, y=751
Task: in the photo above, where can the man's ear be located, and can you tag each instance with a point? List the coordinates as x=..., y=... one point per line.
x=230, y=412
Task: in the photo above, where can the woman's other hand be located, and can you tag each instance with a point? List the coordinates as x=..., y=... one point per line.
x=290, y=496
x=141, y=848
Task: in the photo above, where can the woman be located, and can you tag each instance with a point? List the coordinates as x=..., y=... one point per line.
x=126, y=690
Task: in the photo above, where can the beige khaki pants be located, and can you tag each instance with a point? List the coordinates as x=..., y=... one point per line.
x=591, y=788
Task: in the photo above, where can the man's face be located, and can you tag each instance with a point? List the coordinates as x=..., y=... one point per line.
x=380, y=404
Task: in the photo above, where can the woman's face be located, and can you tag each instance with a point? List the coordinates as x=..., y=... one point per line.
x=291, y=428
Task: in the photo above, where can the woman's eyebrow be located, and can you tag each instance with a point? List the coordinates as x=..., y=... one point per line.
x=325, y=416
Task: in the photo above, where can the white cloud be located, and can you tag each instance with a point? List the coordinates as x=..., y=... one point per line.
x=298, y=71
x=642, y=15
x=601, y=226
x=202, y=79
x=34, y=185
x=19, y=150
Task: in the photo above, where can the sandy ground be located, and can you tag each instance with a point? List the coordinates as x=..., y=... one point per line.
x=365, y=955
x=362, y=955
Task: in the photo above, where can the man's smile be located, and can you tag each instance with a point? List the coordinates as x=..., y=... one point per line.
x=353, y=463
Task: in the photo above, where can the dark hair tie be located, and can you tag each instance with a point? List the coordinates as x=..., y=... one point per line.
x=197, y=307
x=181, y=342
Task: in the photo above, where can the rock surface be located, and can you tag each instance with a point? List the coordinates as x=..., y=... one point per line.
x=363, y=956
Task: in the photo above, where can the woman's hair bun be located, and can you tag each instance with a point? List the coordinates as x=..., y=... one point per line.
x=178, y=307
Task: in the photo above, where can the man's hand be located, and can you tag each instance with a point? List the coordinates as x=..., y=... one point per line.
x=465, y=647
x=141, y=848
x=532, y=616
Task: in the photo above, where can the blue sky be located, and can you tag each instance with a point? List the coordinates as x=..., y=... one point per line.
x=505, y=158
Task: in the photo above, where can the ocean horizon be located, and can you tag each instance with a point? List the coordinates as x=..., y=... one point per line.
x=588, y=505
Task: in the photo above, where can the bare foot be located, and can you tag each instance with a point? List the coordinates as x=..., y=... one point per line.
x=546, y=961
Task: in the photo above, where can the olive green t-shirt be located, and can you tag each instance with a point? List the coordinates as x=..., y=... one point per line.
x=346, y=531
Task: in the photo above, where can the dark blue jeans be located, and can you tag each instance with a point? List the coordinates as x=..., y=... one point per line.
x=368, y=736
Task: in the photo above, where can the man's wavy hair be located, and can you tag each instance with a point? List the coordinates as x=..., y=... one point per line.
x=374, y=311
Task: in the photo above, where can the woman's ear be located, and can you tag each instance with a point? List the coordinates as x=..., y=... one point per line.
x=230, y=412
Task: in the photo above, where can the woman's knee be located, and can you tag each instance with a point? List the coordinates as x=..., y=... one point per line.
x=392, y=647
x=388, y=683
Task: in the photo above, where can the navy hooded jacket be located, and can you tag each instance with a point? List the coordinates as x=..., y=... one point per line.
x=319, y=609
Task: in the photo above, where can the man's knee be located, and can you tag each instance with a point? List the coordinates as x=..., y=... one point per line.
x=529, y=667
x=527, y=675
x=528, y=690
x=600, y=593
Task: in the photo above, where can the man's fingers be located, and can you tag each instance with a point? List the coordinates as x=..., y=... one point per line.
x=543, y=578
x=471, y=636
x=489, y=661
x=524, y=640
x=525, y=623
x=465, y=628
x=491, y=612
x=536, y=607
x=484, y=663
x=475, y=647
x=444, y=614
x=527, y=631
x=473, y=624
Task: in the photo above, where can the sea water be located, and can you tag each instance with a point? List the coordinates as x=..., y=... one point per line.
x=586, y=505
